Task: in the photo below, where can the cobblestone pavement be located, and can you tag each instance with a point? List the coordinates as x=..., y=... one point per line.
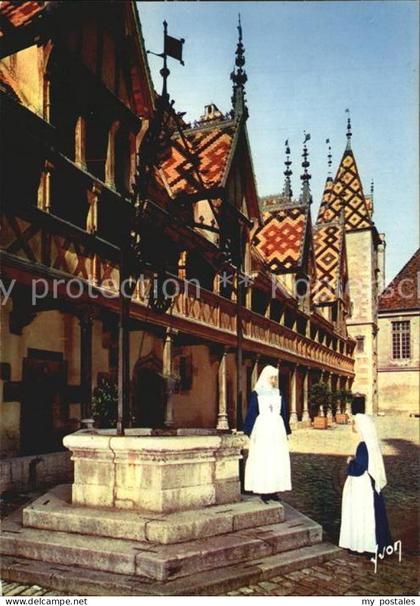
x=318, y=474
x=11, y=589
x=318, y=460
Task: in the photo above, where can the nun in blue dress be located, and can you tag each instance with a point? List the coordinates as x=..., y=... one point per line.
x=364, y=524
x=267, y=469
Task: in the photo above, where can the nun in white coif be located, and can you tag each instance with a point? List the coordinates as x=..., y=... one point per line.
x=364, y=524
x=267, y=469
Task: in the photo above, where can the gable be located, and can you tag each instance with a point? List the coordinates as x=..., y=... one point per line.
x=198, y=159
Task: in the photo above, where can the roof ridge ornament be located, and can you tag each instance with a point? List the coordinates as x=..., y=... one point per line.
x=349, y=133
x=287, y=189
x=329, y=156
x=239, y=76
x=305, y=197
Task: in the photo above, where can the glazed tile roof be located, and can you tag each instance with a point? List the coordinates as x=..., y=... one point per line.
x=346, y=192
x=280, y=240
x=328, y=245
x=402, y=292
x=209, y=147
x=18, y=14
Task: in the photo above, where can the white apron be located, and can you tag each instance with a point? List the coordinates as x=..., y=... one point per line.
x=358, y=515
x=267, y=468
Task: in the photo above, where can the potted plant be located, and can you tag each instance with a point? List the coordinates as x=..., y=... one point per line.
x=333, y=400
x=344, y=397
x=105, y=403
x=320, y=400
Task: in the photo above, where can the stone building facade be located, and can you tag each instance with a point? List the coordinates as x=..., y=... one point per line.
x=345, y=202
x=96, y=159
x=399, y=343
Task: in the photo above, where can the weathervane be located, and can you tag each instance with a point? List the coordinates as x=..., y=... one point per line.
x=172, y=47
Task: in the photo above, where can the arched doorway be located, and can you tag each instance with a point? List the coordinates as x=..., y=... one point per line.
x=149, y=393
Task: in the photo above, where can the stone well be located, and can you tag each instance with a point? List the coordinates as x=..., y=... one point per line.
x=157, y=473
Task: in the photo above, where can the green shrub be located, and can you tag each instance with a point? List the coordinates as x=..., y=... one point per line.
x=105, y=404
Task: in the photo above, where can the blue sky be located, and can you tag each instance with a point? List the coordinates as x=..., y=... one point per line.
x=306, y=63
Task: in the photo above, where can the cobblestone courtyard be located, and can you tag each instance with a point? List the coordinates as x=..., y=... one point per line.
x=318, y=474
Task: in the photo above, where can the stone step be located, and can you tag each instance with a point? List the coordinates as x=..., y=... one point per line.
x=155, y=561
x=79, y=581
x=53, y=511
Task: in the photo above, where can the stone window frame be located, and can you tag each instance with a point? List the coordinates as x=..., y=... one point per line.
x=401, y=339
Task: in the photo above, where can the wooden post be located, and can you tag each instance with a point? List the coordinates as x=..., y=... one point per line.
x=93, y=195
x=123, y=349
x=86, y=324
x=347, y=387
x=328, y=381
x=80, y=142
x=222, y=418
x=305, y=412
x=168, y=374
x=254, y=376
x=110, y=155
x=293, y=389
x=239, y=416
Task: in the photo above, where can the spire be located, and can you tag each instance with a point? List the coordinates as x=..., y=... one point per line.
x=305, y=197
x=372, y=189
x=239, y=77
x=287, y=189
x=348, y=130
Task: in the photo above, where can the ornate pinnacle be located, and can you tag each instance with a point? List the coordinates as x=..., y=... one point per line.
x=305, y=196
x=238, y=76
x=287, y=190
x=348, y=135
x=329, y=156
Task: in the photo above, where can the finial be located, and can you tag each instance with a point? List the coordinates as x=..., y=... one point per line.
x=372, y=189
x=238, y=76
x=305, y=196
x=287, y=190
x=329, y=156
x=348, y=129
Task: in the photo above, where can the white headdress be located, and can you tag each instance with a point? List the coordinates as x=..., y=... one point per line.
x=366, y=427
x=263, y=383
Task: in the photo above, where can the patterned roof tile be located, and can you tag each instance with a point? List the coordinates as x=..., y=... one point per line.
x=328, y=245
x=280, y=240
x=345, y=193
x=209, y=148
x=19, y=14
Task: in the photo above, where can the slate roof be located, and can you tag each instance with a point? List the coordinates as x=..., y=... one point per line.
x=346, y=192
x=402, y=292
